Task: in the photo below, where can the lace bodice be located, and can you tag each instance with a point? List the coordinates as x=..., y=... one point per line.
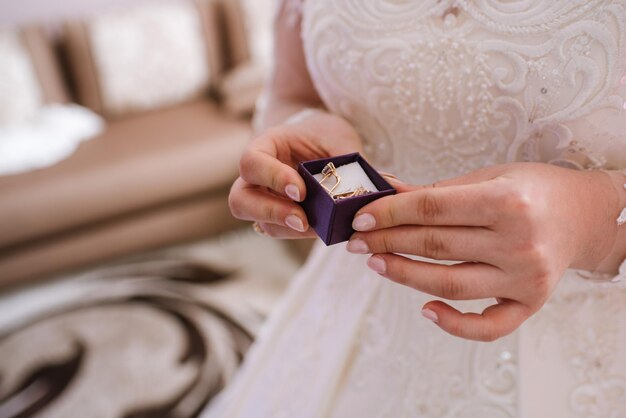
x=439, y=88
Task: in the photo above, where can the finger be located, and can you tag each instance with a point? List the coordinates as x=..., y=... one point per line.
x=399, y=185
x=476, y=176
x=402, y=187
x=439, y=243
x=281, y=232
x=495, y=322
x=464, y=281
x=464, y=205
x=262, y=169
x=251, y=203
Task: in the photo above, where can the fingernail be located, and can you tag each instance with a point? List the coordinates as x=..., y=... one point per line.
x=377, y=264
x=294, y=223
x=358, y=246
x=430, y=315
x=364, y=222
x=293, y=192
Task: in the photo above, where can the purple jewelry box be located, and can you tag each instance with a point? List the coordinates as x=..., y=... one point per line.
x=332, y=219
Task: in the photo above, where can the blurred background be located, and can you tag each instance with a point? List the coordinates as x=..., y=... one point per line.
x=126, y=287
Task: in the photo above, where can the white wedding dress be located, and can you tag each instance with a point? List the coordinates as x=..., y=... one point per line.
x=437, y=89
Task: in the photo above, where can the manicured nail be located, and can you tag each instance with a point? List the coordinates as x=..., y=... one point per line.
x=364, y=222
x=377, y=264
x=293, y=192
x=294, y=223
x=430, y=315
x=358, y=246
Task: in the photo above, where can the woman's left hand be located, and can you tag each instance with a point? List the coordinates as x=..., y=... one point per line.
x=514, y=228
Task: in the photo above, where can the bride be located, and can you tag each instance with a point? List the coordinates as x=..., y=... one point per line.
x=505, y=122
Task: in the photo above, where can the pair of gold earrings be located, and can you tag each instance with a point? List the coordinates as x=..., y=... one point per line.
x=331, y=171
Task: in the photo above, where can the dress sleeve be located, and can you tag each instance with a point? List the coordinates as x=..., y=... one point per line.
x=598, y=141
x=288, y=76
x=293, y=11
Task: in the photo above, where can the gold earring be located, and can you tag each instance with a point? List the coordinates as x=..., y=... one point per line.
x=330, y=171
x=359, y=191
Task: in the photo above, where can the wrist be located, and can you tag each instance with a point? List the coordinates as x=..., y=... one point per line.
x=334, y=133
x=618, y=179
x=271, y=113
x=304, y=115
x=606, y=243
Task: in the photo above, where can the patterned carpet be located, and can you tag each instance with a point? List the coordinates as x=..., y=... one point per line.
x=155, y=336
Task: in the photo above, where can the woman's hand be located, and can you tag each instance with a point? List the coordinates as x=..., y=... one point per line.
x=269, y=185
x=514, y=228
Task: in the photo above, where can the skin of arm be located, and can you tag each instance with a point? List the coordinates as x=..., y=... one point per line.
x=289, y=89
x=269, y=186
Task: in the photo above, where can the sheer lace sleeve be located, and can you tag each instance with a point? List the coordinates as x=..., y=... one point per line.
x=598, y=141
x=599, y=138
x=289, y=80
x=293, y=11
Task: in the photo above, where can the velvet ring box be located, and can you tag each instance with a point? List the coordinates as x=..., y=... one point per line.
x=332, y=218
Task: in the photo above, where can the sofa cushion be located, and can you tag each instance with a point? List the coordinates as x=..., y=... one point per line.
x=144, y=57
x=20, y=94
x=45, y=61
x=137, y=162
x=29, y=75
x=236, y=47
x=249, y=32
x=240, y=89
x=181, y=221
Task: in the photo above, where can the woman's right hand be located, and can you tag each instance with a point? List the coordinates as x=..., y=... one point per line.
x=269, y=185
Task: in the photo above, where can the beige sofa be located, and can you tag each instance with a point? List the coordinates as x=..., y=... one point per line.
x=150, y=179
